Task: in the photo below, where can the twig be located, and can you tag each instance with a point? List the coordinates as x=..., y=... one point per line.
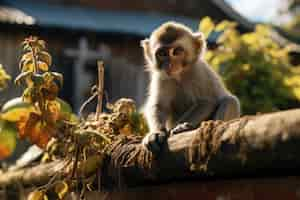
x=100, y=88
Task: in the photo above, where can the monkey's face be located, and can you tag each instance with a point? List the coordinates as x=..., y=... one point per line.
x=172, y=49
x=171, y=59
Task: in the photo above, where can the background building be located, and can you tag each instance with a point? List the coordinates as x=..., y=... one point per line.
x=79, y=32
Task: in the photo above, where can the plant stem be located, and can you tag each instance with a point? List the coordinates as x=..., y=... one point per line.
x=34, y=59
x=100, y=88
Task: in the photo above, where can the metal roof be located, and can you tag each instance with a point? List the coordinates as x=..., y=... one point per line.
x=78, y=18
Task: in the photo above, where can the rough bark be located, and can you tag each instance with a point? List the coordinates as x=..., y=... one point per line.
x=250, y=146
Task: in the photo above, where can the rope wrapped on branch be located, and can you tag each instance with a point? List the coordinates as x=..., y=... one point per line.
x=249, y=146
x=252, y=145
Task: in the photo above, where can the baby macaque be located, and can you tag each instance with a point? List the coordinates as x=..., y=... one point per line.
x=180, y=82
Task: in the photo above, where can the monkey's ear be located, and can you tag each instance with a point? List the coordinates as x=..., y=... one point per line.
x=146, y=46
x=200, y=42
x=144, y=43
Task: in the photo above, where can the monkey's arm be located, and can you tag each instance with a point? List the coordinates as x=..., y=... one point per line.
x=228, y=108
x=200, y=111
x=156, y=115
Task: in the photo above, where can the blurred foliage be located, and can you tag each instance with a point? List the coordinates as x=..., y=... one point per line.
x=253, y=67
x=291, y=12
x=4, y=78
x=293, y=5
x=293, y=27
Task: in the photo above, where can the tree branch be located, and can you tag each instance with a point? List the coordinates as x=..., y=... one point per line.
x=252, y=145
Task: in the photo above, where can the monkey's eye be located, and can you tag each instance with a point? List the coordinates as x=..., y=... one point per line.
x=178, y=51
x=162, y=53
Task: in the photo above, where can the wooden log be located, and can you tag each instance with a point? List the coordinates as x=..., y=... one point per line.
x=263, y=145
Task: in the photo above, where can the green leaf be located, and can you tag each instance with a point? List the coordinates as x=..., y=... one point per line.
x=64, y=106
x=8, y=141
x=37, y=79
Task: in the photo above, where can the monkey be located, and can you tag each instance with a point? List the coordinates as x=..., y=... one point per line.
x=180, y=81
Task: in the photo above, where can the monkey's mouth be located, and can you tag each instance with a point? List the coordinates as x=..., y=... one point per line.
x=174, y=69
x=169, y=69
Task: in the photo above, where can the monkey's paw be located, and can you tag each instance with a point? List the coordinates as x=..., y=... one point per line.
x=154, y=141
x=181, y=128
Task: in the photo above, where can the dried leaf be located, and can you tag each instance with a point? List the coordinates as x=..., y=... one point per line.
x=22, y=76
x=41, y=43
x=59, y=77
x=38, y=132
x=50, y=91
x=53, y=108
x=126, y=130
x=45, y=57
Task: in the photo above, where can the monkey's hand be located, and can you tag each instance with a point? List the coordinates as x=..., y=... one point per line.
x=154, y=141
x=181, y=128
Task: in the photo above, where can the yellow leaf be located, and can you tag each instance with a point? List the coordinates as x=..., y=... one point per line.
x=26, y=57
x=206, y=26
x=42, y=66
x=16, y=109
x=61, y=189
x=208, y=55
x=54, y=111
x=36, y=195
x=26, y=65
x=225, y=24
x=4, y=78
